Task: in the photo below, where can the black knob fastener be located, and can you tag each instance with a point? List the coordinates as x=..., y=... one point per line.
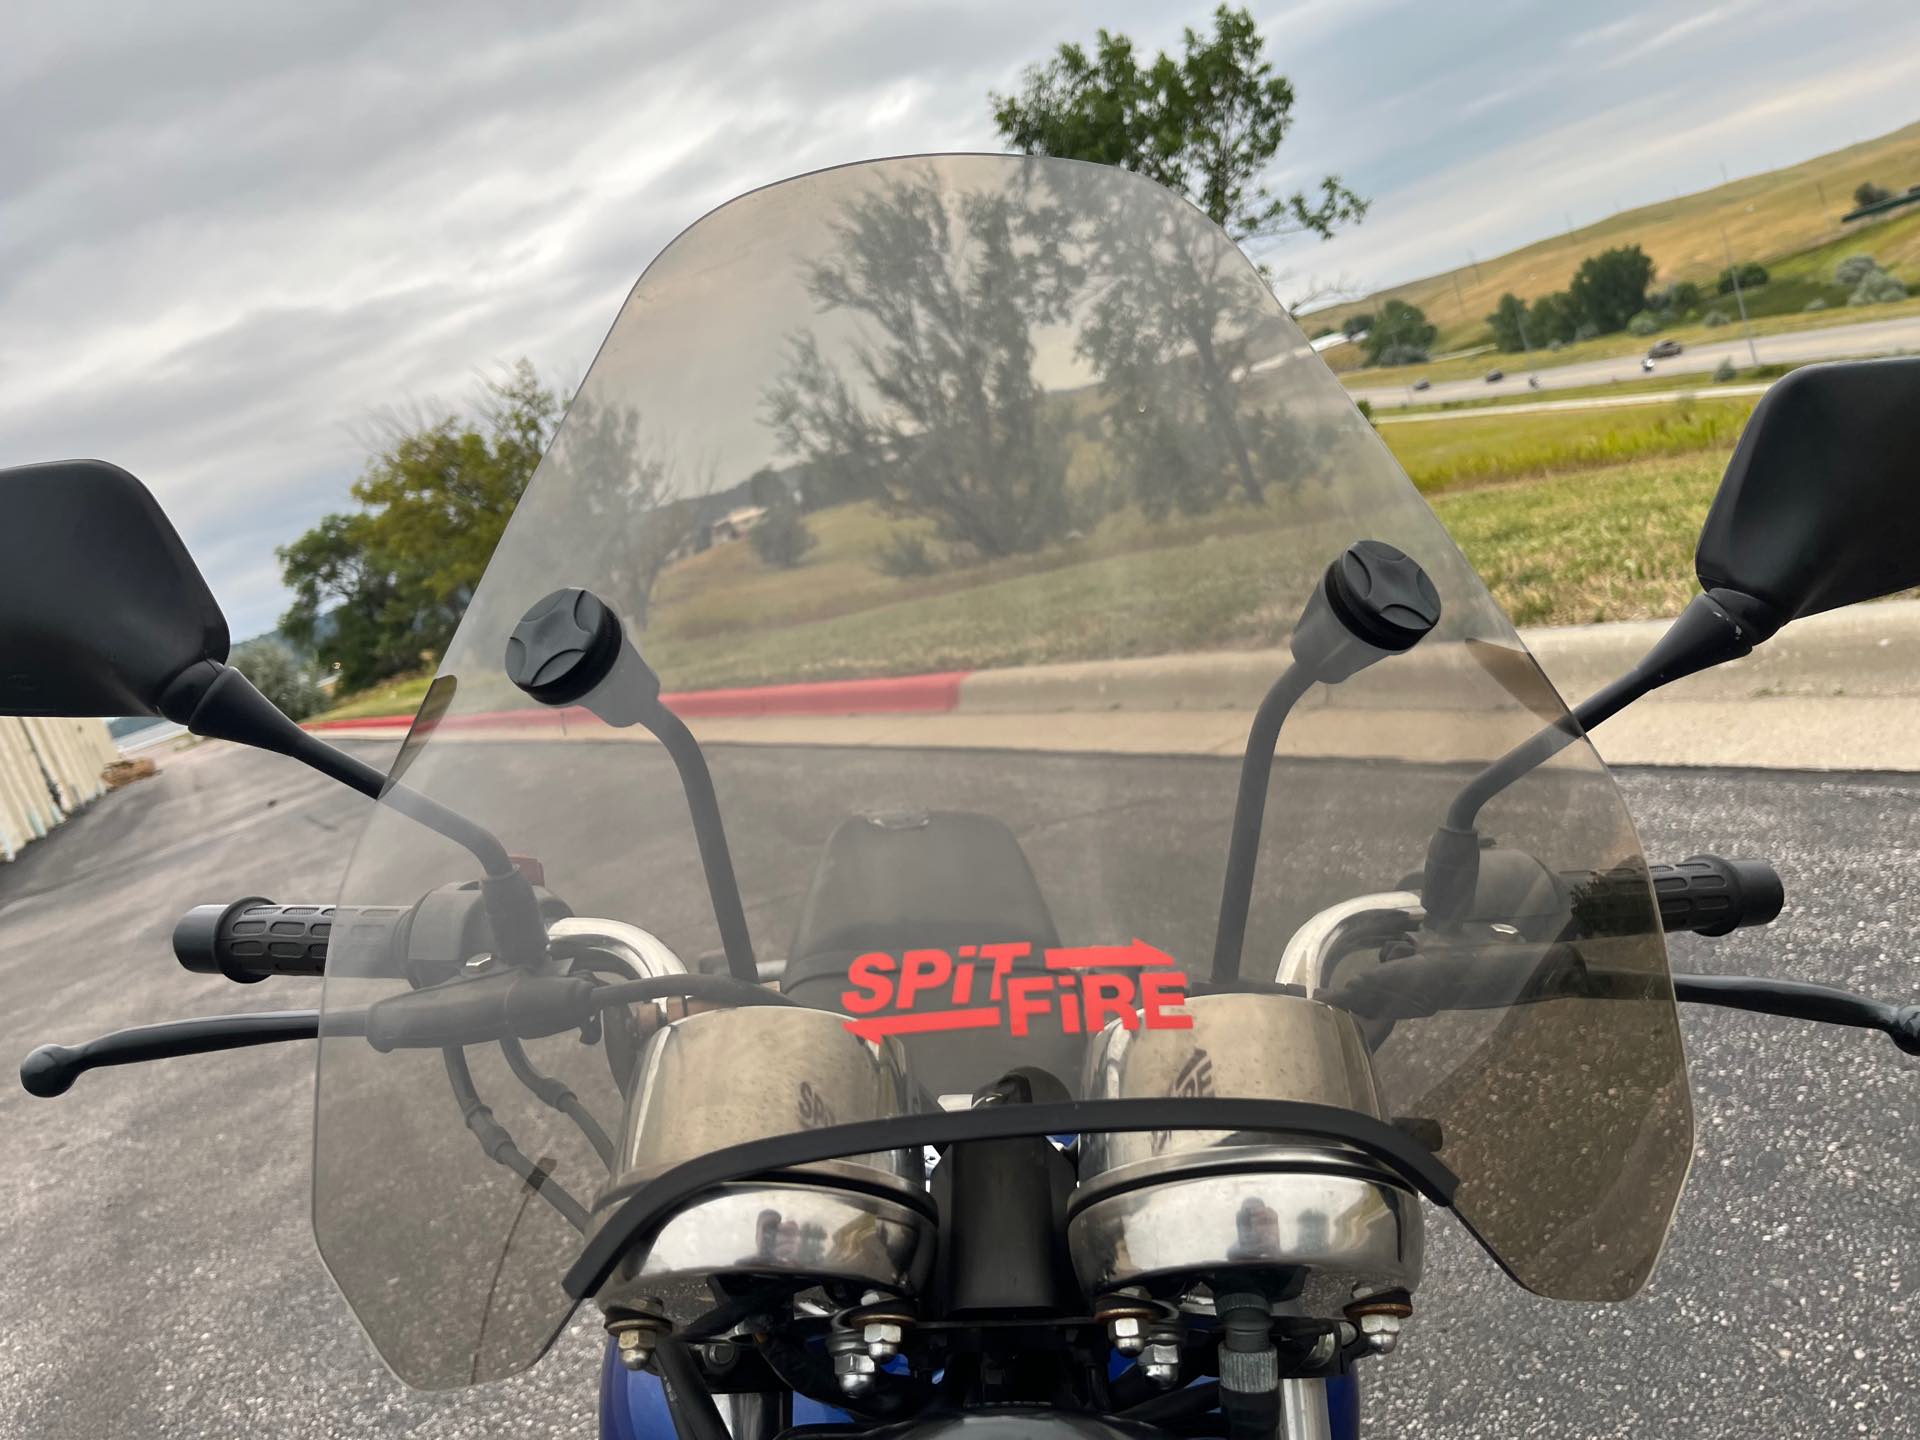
x=564, y=645
x=1374, y=601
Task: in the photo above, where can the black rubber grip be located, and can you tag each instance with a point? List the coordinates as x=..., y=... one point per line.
x=1703, y=893
x=253, y=938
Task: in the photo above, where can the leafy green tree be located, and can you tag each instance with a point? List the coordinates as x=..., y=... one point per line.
x=1207, y=124
x=1674, y=299
x=1751, y=273
x=279, y=675
x=376, y=590
x=1610, y=288
x=1509, y=323
x=1400, y=331
x=1553, y=318
x=1868, y=193
x=1357, y=324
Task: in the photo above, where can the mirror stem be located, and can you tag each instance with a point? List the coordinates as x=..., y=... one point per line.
x=1717, y=626
x=571, y=648
x=220, y=703
x=1372, y=602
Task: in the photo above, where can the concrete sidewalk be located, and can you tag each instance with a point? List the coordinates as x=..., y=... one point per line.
x=1834, y=692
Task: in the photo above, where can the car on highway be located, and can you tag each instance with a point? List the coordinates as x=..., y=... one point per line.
x=1661, y=349
x=1493, y=375
x=1423, y=383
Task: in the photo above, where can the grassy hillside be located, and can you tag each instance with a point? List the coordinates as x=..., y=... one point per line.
x=1793, y=212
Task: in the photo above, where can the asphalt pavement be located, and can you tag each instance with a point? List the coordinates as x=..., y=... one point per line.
x=1874, y=337
x=162, y=1280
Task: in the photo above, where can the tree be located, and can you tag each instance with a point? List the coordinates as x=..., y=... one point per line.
x=1553, y=318
x=945, y=420
x=1400, y=335
x=1509, y=323
x=375, y=590
x=1868, y=193
x=782, y=538
x=1674, y=299
x=1610, y=288
x=1207, y=125
x=1877, y=289
x=1751, y=273
x=1357, y=324
x=1855, y=268
x=279, y=675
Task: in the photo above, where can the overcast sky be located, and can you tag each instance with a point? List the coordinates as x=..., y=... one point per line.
x=231, y=233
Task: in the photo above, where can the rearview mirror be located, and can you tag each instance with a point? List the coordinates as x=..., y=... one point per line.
x=1820, y=506
x=101, y=607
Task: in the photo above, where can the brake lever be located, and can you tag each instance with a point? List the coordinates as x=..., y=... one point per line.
x=51, y=1069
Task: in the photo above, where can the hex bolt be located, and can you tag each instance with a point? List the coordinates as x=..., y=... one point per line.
x=635, y=1339
x=1127, y=1314
x=1379, y=1316
x=853, y=1367
x=1160, y=1359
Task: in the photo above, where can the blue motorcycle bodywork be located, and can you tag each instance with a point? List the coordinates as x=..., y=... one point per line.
x=633, y=1407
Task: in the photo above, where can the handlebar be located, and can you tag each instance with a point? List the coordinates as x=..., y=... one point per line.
x=251, y=939
x=1703, y=893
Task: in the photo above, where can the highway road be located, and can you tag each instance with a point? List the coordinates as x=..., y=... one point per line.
x=161, y=1276
x=1876, y=337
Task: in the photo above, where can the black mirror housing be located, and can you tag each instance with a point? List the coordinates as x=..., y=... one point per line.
x=101, y=607
x=1820, y=506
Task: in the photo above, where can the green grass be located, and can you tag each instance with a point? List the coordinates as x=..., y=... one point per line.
x=399, y=696
x=1580, y=537
x=1570, y=516
x=1479, y=449
x=1611, y=544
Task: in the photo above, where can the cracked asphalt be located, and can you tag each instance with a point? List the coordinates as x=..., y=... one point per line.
x=161, y=1280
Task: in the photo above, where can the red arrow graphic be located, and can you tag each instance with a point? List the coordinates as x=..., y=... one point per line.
x=1138, y=952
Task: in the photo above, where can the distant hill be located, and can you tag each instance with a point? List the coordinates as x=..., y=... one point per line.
x=1793, y=210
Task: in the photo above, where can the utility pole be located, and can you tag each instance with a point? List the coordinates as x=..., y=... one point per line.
x=1733, y=271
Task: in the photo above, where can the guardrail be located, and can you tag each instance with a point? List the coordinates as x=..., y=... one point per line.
x=48, y=770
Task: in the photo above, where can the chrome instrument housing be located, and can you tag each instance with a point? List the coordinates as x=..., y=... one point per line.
x=1172, y=1209
x=725, y=1077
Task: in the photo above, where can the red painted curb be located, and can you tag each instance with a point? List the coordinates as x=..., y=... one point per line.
x=888, y=695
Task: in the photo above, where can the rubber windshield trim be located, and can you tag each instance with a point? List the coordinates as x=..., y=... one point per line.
x=641, y=1215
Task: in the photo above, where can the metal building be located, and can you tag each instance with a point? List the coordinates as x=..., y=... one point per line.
x=48, y=770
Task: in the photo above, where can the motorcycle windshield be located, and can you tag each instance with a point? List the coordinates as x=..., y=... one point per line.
x=965, y=508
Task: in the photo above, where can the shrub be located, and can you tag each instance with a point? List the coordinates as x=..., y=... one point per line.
x=1817, y=303
x=1868, y=193
x=1877, y=289
x=1724, y=371
x=1642, y=324
x=1715, y=316
x=782, y=537
x=1586, y=330
x=1750, y=272
x=1365, y=407
x=906, y=557
x=280, y=676
x=1855, y=268
x=1402, y=355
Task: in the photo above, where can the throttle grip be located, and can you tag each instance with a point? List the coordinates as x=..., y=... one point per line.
x=253, y=938
x=1703, y=893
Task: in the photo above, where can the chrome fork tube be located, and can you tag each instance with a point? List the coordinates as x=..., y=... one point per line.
x=1303, y=1410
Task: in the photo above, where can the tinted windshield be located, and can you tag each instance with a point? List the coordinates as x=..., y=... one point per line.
x=964, y=508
